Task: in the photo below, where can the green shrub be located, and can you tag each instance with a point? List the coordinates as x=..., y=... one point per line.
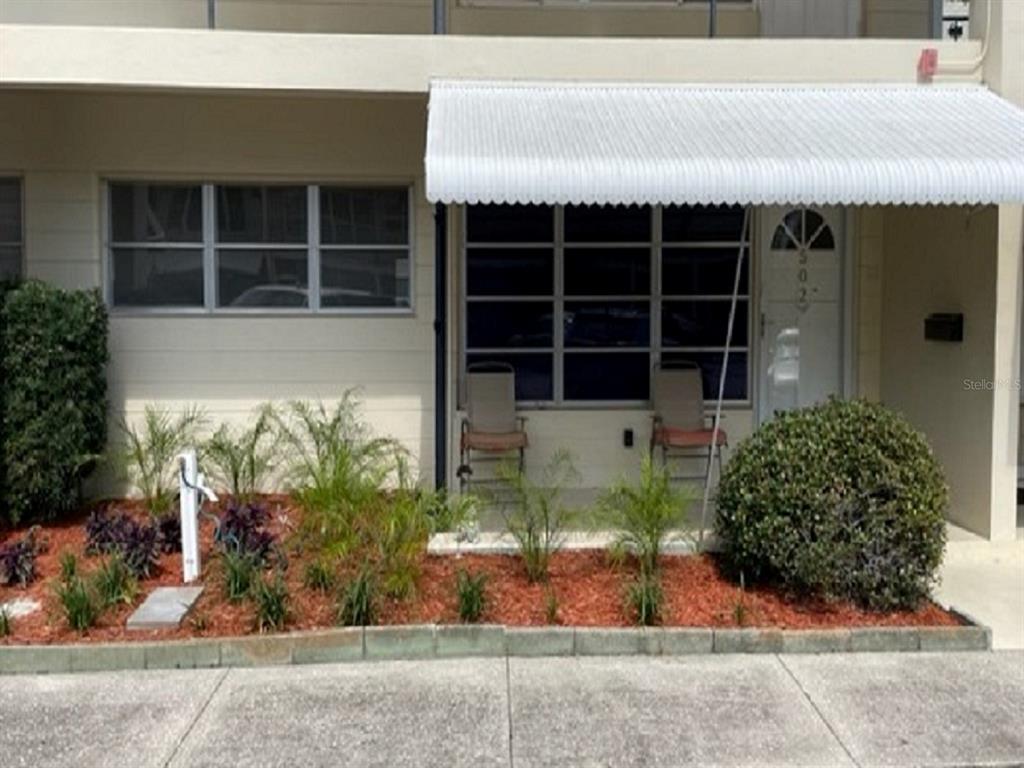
x=79, y=602
x=358, y=606
x=148, y=457
x=319, y=575
x=239, y=573
x=271, y=598
x=644, y=598
x=53, y=409
x=643, y=514
x=6, y=623
x=471, y=595
x=535, y=516
x=242, y=459
x=840, y=500
x=114, y=582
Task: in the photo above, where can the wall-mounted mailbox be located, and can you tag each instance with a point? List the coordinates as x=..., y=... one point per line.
x=944, y=326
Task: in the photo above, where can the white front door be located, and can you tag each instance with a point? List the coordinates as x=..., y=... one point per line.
x=801, y=328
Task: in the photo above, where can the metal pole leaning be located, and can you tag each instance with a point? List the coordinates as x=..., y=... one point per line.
x=744, y=244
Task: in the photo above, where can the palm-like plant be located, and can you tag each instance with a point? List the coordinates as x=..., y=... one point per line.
x=243, y=459
x=535, y=515
x=335, y=467
x=146, y=459
x=643, y=514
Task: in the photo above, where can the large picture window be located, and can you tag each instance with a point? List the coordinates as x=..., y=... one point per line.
x=244, y=247
x=584, y=301
x=11, y=243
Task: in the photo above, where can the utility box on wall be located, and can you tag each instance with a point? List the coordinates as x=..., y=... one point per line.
x=944, y=326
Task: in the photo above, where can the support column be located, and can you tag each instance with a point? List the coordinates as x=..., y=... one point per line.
x=1006, y=404
x=1003, y=25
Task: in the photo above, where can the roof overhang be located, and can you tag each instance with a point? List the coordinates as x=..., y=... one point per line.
x=570, y=143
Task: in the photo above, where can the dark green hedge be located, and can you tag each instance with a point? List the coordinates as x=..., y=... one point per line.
x=53, y=355
x=840, y=500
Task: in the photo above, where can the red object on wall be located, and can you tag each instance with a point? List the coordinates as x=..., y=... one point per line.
x=927, y=64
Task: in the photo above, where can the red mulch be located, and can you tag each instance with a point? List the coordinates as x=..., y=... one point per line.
x=587, y=587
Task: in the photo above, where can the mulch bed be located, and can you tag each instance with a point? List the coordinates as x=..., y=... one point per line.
x=588, y=589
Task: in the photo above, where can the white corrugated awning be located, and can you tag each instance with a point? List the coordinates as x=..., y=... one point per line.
x=567, y=143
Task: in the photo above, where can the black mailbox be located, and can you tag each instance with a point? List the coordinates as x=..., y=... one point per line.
x=944, y=326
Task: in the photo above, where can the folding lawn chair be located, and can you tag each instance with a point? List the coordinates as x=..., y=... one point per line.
x=491, y=427
x=680, y=428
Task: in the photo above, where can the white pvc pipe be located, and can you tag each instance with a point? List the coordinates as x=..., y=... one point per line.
x=744, y=244
x=191, y=566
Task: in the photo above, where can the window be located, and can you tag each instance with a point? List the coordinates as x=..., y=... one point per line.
x=582, y=301
x=364, y=247
x=267, y=247
x=156, y=245
x=11, y=253
x=262, y=247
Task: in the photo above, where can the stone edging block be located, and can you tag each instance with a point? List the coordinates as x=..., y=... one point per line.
x=485, y=640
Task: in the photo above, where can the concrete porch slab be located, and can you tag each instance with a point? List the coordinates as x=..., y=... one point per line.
x=494, y=543
x=164, y=608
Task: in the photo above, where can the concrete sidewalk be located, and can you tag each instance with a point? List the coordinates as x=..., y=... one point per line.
x=857, y=709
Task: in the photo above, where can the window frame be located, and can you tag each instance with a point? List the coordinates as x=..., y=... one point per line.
x=210, y=245
x=655, y=299
x=19, y=244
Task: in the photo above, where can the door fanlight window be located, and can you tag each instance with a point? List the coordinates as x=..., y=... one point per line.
x=803, y=230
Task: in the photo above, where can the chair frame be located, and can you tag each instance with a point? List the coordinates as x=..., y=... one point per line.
x=709, y=453
x=466, y=453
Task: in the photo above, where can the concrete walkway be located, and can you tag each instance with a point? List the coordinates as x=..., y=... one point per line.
x=986, y=580
x=865, y=709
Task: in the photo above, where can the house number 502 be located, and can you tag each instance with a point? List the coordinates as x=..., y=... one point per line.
x=802, y=300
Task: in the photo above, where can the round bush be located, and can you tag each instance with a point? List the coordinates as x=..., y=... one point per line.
x=839, y=500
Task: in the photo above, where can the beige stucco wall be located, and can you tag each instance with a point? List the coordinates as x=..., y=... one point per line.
x=65, y=145
x=35, y=56
x=944, y=260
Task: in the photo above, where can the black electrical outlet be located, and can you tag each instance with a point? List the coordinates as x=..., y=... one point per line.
x=627, y=438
